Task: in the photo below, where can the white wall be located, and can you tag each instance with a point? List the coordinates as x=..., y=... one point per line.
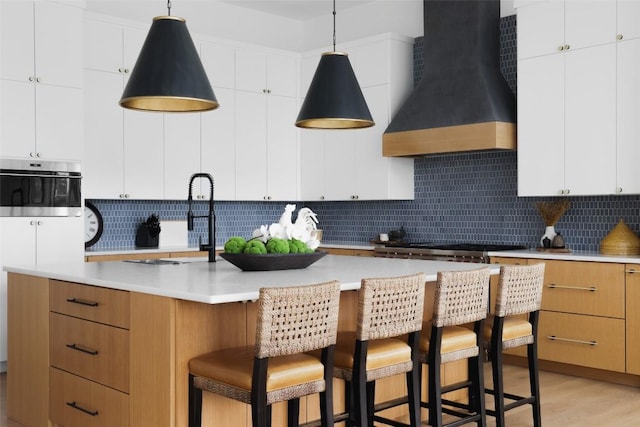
x=226, y=21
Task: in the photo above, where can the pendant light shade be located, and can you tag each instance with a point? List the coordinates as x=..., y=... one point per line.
x=168, y=75
x=334, y=99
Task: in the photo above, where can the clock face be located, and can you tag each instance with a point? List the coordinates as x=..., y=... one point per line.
x=93, y=224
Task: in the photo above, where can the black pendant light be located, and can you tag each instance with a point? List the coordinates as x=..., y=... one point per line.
x=334, y=99
x=168, y=75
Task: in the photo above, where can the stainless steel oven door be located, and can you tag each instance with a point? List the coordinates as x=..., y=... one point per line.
x=40, y=188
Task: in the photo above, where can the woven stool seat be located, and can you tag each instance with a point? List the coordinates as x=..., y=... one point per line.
x=229, y=373
x=292, y=321
x=457, y=343
x=516, y=331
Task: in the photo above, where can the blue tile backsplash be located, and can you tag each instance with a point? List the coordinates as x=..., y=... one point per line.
x=468, y=197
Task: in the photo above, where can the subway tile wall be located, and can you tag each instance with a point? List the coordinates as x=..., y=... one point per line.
x=458, y=198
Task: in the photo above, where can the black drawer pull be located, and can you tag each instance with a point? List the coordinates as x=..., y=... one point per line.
x=83, y=349
x=82, y=302
x=74, y=405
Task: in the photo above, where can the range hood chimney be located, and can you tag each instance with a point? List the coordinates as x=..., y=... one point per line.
x=463, y=102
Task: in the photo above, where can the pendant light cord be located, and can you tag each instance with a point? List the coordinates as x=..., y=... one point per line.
x=334, y=25
x=169, y=7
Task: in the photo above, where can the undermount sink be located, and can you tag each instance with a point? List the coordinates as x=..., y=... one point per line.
x=154, y=261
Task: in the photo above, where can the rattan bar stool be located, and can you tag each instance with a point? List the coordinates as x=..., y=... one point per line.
x=384, y=344
x=291, y=321
x=519, y=293
x=461, y=297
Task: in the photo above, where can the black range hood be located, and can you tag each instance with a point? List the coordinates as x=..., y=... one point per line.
x=463, y=102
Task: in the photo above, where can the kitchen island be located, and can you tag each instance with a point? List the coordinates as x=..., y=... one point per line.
x=155, y=318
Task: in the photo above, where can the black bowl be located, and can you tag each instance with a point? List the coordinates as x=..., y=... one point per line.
x=267, y=262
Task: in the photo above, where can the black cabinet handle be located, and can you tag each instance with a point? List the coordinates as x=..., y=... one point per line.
x=82, y=302
x=74, y=405
x=83, y=349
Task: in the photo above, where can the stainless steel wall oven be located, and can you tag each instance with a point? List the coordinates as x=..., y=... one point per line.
x=40, y=188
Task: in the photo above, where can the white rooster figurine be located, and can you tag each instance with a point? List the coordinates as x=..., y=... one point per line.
x=302, y=229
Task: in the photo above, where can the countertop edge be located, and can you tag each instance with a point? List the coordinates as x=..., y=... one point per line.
x=569, y=256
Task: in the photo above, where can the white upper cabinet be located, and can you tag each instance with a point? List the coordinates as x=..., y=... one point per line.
x=41, y=80
x=628, y=114
x=219, y=63
x=556, y=26
x=41, y=41
x=181, y=155
x=131, y=141
x=628, y=18
x=218, y=146
x=268, y=73
x=574, y=130
x=267, y=162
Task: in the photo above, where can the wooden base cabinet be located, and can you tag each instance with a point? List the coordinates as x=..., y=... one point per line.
x=632, y=276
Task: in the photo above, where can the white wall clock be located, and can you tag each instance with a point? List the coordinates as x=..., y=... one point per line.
x=93, y=224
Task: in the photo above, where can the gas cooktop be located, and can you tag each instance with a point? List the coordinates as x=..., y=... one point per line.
x=474, y=247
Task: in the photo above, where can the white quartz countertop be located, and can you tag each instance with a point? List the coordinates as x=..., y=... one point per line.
x=221, y=282
x=569, y=256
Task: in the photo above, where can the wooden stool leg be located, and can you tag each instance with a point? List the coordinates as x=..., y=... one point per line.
x=532, y=356
x=478, y=390
x=435, y=394
x=371, y=399
x=195, y=404
x=498, y=384
x=293, y=412
x=413, y=394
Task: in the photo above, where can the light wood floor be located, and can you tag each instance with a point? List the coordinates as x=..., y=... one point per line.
x=566, y=401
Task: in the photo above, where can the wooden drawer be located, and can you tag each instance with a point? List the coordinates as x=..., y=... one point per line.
x=91, y=350
x=75, y=401
x=584, y=288
x=102, y=305
x=574, y=335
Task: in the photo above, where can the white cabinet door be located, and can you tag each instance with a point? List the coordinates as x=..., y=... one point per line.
x=266, y=73
x=590, y=120
x=589, y=23
x=218, y=146
x=541, y=126
x=18, y=120
x=531, y=40
x=103, y=46
x=251, y=146
x=628, y=117
x=103, y=166
x=629, y=19
x=251, y=71
x=312, y=164
x=59, y=122
x=59, y=240
x=282, y=76
x=371, y=168
x=17, y=247
x=282, y=149
x=143, y=155
x=181, y=154
x=17, y=40
x=219, y=63
x=58, y=44
x=340, y=163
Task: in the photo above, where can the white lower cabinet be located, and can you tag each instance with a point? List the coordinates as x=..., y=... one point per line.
x=28, y=241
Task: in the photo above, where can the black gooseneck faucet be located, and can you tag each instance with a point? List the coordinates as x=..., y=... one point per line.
x=211, y=217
